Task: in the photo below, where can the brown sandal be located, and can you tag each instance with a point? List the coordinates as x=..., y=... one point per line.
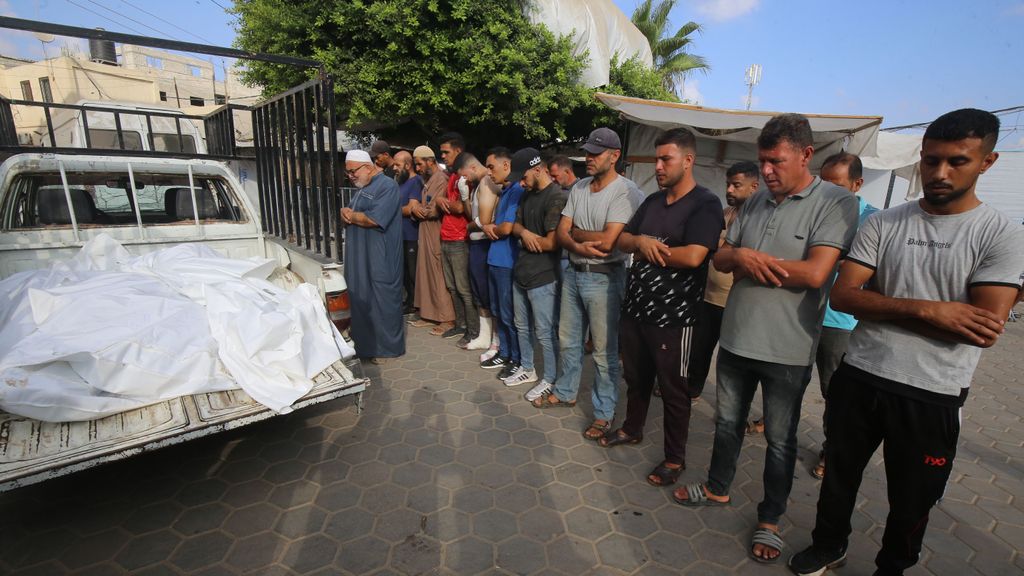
x=665, y=474
x=597, y=431
x=549, y=400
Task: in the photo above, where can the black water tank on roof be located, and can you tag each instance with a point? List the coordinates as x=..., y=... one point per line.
x=102, y=51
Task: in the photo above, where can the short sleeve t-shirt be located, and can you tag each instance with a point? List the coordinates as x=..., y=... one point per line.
x=930, y=257
x=453, y=226
x=539, y=212
x=841, y=320
x=719, y=283
x=591, y=211
x=782, y=325
x=411, y=189
x=670, y=297
x=502, y=252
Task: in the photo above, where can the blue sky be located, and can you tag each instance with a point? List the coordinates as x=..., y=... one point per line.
x=906, y=61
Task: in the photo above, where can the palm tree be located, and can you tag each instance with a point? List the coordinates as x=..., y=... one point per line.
x=671, y=59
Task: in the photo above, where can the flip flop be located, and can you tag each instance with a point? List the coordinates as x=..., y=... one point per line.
x=768, y=538
x=697, y=496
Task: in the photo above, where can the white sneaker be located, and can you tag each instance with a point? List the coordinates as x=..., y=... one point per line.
x=539, y=390
x=489, y=353
x=521, y=376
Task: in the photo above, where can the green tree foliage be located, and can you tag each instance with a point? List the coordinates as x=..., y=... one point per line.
x=671, y=58
x=432, y=65
x=627, y=78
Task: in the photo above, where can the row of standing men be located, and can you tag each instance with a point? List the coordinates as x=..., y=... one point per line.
x=505, y=246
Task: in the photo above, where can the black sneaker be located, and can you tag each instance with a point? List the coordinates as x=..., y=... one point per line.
x=507, y=371
x=453, y=333
x=494, y=362
x=815, y=561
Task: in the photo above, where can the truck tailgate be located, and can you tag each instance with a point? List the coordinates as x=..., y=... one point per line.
x=32, y=451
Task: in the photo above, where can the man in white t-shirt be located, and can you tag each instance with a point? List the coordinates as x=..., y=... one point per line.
x=931, y=283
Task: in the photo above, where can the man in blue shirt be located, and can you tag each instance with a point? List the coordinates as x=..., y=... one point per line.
x=842, y=169
x=501, y=259
x=409, y=191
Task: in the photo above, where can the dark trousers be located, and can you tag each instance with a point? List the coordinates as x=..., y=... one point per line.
x=831, y=349
x=410, y=250
x=918, y=443
x=455, y=265
x=705, y=339
x=649, y=353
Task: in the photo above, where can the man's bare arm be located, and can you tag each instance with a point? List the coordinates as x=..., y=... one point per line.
x=978, y=323
x=605, y=238
x=652, y=250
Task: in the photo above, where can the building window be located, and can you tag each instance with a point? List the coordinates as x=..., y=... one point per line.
x=196, y=101
x=26, y=90
x=44, y=90
x=163, y=96
x=154, y=62
x=219, y=99
x=195, y=71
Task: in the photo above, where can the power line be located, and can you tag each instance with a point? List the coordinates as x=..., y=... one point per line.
x=225, y=8
x=105, y=17
x=93, y=2
x=1001, y=111
x=144, y=11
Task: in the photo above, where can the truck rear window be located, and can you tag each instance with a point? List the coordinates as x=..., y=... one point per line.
x=105, y=199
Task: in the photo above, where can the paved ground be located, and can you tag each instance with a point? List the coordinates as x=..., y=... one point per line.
x=448, y=472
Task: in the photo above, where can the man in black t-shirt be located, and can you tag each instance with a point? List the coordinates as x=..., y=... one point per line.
x=672, y=237
x=535, y=289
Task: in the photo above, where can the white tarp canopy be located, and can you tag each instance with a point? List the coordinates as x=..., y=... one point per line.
x=107, y=332
x=599, y=28
x=725, y=137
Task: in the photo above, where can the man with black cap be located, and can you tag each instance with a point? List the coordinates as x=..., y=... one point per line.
x=380, y=152
x=535, y=289
x=595, y=214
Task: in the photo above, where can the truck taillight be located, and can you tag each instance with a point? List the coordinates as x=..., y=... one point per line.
x=338, y=308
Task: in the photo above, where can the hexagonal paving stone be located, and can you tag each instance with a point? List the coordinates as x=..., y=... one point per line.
x=493, y=438
x=447, y=525
x=428, y=498
x=494, y=475
x=247, y=493
x=301, y=521
x=494, y=525
x=513, y=456
x=570, y=555
x=95, y=548
x=588, y=523
x=201, y=551
x=148, y=549
x=516, y=498
x=520, y=555
x=541, y=524
x=201, y=519
x=250, y=520
x=473, y=499
x=382, y=498
x=469, y=556
x=474, y=456
x=364, y=555
x=310, y=553
x=535, y=475
x=670, y=549
x=255, y=552
x=632, y=522
x=338, y=496
x=412, y=474
x=574, y=474
x=435, y=455
x=286, y=471
x=349, y=524
x=152, y=517
x=718, y=548
x=398, y=525
x=294, y=494
x=202, y=492
x=622, y=552
x=417, y=555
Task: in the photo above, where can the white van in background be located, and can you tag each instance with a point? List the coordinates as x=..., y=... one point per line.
x=171, y=130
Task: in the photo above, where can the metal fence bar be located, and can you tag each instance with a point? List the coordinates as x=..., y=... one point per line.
x=301, y=137
x=313, y=158
x=261, y=169
x=321, y=225
x=332, y=131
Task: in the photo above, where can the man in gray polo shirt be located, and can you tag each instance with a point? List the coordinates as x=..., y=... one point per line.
x=782, y=249
x=595, y=214
x=942, y=274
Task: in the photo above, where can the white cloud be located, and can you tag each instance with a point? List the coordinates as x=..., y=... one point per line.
x=722, y=10
x=691, y=92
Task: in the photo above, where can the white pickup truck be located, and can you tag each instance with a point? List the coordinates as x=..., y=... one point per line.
x=53, y=203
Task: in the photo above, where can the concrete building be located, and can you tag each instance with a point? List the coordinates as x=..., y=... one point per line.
x=140, y=76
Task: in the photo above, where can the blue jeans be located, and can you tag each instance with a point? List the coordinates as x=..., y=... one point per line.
x=540, y=303
x=782, y=388
x=591, y=299
x=502, y=311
